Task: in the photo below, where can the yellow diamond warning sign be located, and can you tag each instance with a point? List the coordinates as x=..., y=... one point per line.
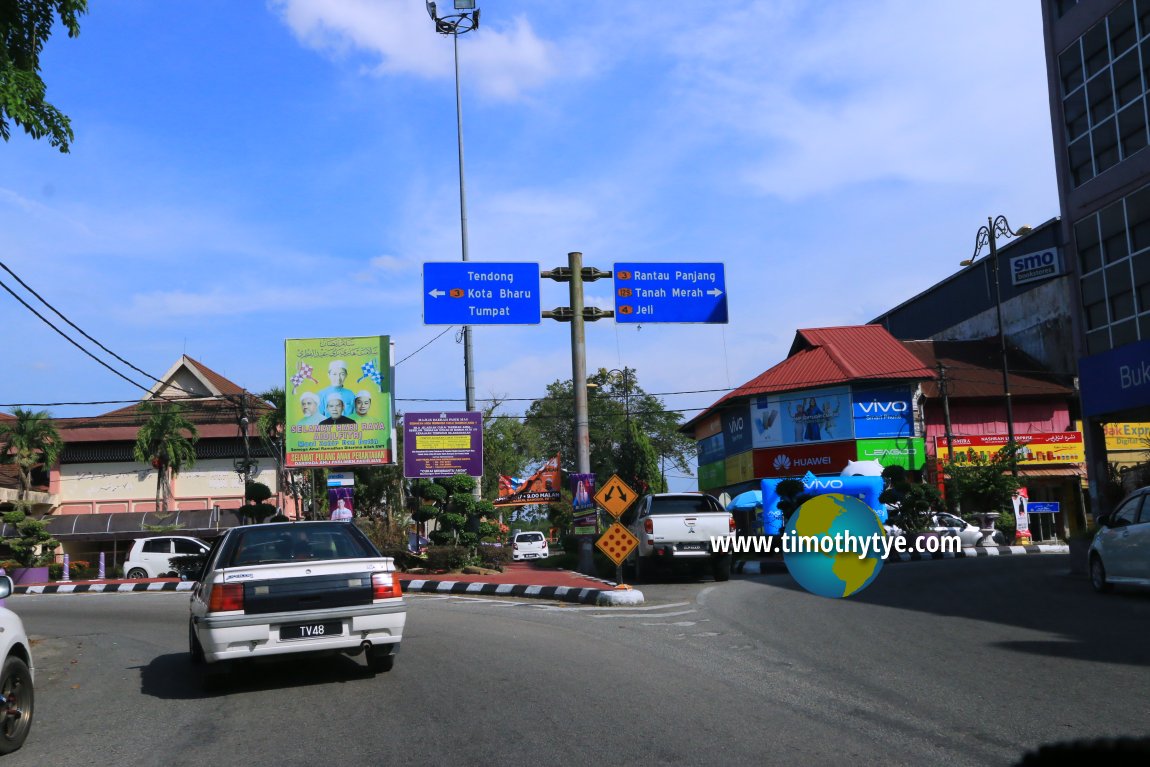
x=615, y=497
x=617, y=543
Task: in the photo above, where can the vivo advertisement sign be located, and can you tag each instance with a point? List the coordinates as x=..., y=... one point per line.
x=1115, y=380
x=1033, y=267
x=883, y=412
x=737, y=431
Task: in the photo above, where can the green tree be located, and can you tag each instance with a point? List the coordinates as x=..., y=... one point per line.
x=256, y=506
x=167, y=441
x=25, y=25
x=506, y=446
x=31, y=439
x=637, y=464
x=550, y=424
x=983, y=483
x=449, y=500
x=911, y=503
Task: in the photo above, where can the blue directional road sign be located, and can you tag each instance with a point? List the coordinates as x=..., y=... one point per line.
x=1042, y=507
x=471, y=293
x=670, y=293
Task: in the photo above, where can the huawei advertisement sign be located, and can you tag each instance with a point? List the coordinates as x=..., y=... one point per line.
x=797, y=460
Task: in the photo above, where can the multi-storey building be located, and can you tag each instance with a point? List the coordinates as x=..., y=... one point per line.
x=1098, y=71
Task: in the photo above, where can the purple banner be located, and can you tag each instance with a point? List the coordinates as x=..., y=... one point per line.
x=582, y=492
x=442, y=444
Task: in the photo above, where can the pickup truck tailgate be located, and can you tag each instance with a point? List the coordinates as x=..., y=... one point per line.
x=690, y=527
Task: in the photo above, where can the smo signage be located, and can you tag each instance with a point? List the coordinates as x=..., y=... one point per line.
x=1032, y=267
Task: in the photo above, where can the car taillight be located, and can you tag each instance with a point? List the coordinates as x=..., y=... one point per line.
x=515, y=545
x=649, y=526
x=385, y=586
x=226, y=597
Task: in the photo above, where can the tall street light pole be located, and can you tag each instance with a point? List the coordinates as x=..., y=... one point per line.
x=988, y=234
x=466, y=19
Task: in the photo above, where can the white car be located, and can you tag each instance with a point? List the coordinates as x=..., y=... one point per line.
x=1120, y=551
x=17, y=692
x=529, y=546
x=152, y=557
x=291, y=588
x=949, y=525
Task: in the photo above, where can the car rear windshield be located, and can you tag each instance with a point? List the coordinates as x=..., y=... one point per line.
x=260, y=545
x=687, y=504
x=529, y=537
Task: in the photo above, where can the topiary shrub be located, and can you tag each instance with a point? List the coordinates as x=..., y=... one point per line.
x=447, y=557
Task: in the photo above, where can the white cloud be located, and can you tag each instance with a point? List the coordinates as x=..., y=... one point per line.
x=504, y=60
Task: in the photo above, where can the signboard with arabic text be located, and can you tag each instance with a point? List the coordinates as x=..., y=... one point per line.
x=1034, y=449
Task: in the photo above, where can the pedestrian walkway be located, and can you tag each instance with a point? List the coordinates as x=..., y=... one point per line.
x=518, y=579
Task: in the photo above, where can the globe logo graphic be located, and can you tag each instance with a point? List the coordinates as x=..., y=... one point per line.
x=835, y=569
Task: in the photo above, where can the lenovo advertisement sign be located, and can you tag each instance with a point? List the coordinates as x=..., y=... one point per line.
x=797, y=460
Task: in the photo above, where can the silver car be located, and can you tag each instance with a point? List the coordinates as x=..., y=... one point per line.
x=289, y=589
x=1120, y=552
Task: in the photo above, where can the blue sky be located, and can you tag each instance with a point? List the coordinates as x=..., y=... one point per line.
x=246, y=172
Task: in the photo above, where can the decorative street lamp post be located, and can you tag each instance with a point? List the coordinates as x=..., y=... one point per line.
x=988, y=235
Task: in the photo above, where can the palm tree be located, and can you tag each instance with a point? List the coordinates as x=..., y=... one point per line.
x=167, y=441
x=27, y=441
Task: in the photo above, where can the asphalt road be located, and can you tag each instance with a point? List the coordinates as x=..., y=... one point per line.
x=954, y=662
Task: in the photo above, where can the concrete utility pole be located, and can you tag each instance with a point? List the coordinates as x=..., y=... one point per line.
x=577, y=314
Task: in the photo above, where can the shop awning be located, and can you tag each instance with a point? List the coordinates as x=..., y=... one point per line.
x=200, y=523
x=1074, y=470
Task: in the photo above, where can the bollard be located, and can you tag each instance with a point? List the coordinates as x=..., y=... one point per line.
x=67, y=576
x=100, y=572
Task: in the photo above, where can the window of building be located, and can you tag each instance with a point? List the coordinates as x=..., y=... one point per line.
x=1140, y=265
x=1100, y=97
x=1081, y=163
x=1105, y=142
x=1123, y=333
x=1087, y=245
x=1121, y=24
x=1132, y=128
x=1094, y=301
x=1127, y=79
x=1074, y=112
x=1118, y=285
x=1095, y=49
x=1143, y=14
x=1113, y=225
x=1070, y=68
x=1098, y=341
x=1138, y=218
